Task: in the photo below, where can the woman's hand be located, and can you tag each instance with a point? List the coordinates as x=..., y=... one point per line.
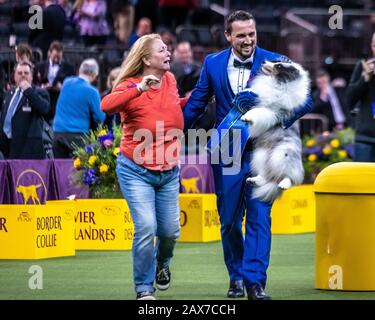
x=147, y=82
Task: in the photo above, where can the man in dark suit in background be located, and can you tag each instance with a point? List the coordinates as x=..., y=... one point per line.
x=22, y=117
x=50, y=74
x=331, y=102
x=53, y=26
x=184, y=68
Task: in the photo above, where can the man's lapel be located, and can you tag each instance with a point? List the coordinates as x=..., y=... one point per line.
x=257, y=62
x=224, y=80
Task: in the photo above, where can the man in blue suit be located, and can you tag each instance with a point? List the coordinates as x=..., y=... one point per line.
x=224, y=75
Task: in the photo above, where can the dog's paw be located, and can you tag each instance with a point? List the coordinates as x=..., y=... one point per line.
x=258, y=181
x=285, y=184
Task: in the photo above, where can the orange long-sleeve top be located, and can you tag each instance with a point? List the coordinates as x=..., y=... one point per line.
x=152, y=121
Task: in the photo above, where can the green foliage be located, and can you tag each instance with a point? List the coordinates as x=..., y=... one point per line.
x=95, y=163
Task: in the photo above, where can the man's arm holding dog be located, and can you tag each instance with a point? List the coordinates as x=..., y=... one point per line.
x=300, y=112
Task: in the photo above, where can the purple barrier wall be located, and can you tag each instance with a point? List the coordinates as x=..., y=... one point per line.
x=36, y=181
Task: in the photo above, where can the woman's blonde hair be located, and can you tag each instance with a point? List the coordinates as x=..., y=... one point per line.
x=133, y=64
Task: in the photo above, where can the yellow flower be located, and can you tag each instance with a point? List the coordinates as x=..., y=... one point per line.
x=312, y=157
x=116, y=151
x=310, y=143
x=92, y=160
x=103, y=168
x=327, y=150
x=342, y=154
x=102, y=133
x=77, y=163
x=335, y=143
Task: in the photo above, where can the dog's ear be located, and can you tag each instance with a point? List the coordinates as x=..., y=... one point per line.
x=287, y=72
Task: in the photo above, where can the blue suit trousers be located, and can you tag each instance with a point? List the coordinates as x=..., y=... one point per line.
x=246, y=259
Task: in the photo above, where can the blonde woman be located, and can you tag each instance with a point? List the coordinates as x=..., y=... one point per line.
x=145, y=93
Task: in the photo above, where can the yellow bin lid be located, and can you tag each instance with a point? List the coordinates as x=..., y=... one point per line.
x=346, y=177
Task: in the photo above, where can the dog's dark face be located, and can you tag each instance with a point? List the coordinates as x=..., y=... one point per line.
x=282, y=71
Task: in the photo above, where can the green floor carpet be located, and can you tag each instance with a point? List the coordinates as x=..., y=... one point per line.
x=198, y=273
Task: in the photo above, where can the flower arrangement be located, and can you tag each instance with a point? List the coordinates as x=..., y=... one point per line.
x=96, y=162
x=324, y=149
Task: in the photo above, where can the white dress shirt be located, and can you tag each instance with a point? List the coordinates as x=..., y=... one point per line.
x=52, y=71
x=338, y=114
x=238, y=77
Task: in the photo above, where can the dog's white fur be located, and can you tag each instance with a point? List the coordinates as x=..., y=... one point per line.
x=275, y=97
x=276, y=162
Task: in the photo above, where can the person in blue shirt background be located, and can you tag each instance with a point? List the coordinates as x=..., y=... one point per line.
x=78, y=106
x=225, y=74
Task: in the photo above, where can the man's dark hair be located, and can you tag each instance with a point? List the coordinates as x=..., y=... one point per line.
x=321, y=73
x=24, y=49
x=56, y=45
x=239, y=15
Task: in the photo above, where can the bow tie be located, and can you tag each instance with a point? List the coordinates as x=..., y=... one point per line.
x=238, y=64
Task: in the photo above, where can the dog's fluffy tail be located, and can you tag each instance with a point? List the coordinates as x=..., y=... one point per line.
x=268, y=192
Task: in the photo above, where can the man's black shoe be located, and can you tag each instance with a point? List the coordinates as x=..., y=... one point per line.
x=236, y=289
x=163, y=278
x=256, y=292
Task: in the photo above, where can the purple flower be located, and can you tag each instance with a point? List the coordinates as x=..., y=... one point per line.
x=108, y=143
x=312, y=150
x=89, y=177
x=108, y=136
x=324, y=137
x=89, y=149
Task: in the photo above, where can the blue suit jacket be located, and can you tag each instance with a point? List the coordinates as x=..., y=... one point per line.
x=214, y=81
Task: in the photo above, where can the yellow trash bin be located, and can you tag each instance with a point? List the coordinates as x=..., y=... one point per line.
x=345, y=227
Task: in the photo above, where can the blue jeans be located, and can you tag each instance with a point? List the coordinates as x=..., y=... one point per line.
x=364, y=152
x=153, y=200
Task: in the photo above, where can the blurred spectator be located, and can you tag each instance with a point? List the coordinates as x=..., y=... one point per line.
x=169, y=39
x=78, y=106
x=173, y=13
x=111, y=119
x=144, y=27
x=22, y=117
x=23, y=53
x=185, y=69
x=361, y=94
x=67, y=6
x=330, y=101
x=51, y=73
x=2, y=83
x=122, y=12
x=53, y=27
x=91, y=18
